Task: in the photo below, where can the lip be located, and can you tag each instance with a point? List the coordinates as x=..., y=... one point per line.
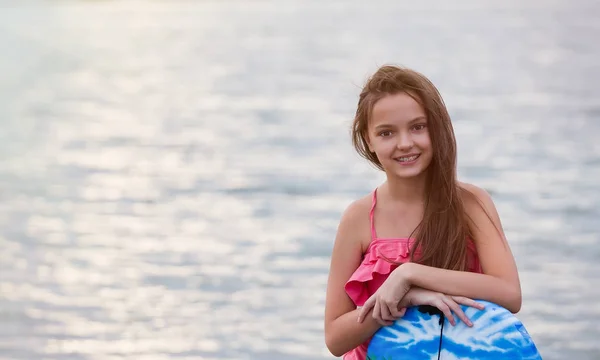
x=407, y=163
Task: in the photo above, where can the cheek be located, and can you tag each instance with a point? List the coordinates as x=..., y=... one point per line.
x=426, y=146
x=425, y=141
x=429, y=152
x=386, y=147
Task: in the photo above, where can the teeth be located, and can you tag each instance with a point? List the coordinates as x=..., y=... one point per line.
x=408, y=158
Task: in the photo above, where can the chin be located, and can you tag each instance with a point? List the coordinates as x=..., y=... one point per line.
x=405, y=173
x=408, y=174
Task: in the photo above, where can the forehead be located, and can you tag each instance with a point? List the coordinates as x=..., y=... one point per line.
x=396, y=109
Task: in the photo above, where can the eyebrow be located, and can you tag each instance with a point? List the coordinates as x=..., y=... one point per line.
x=387, y=126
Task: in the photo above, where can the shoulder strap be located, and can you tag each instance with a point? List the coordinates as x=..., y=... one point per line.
x=371, y=215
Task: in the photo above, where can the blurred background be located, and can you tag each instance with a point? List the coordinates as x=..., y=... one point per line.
x=173, y=172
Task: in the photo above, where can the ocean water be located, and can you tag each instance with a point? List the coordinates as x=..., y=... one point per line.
x=172, y=172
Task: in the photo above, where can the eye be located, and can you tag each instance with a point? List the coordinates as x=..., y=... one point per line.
x=385, y=133
x=419, y=127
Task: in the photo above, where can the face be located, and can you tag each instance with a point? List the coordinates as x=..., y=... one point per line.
x=398, y=135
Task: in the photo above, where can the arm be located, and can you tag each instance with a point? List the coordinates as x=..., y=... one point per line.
x=342, y=332
x=499, y=282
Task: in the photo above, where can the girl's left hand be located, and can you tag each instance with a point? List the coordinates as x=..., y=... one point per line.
x=385, y=300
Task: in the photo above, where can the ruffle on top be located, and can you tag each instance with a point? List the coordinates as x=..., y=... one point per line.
x=374, y=268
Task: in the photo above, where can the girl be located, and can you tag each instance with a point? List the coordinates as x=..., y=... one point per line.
x=420, y=238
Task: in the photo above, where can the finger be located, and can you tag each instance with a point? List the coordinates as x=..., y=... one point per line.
x=401, y=312
x=386, y=314
x=440, y=304
x=361, y=314
x=397, y=313
x=384, y=311
x=377, y=314
x=365, y=309
x=458, y=311
x=468, y=302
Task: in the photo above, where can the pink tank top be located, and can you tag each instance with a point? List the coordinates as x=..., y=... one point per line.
x=374, y=270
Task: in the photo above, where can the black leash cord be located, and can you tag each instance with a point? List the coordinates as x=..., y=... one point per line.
x=442, y=318
x=431, y=310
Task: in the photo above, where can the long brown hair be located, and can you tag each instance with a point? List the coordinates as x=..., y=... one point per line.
x=443, y=232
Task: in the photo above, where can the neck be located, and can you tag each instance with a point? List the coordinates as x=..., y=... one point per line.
x=410, y=190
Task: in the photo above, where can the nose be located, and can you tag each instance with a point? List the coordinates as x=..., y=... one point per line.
x=405, y=141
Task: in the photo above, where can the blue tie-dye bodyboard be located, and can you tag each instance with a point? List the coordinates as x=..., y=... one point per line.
x=496, y=334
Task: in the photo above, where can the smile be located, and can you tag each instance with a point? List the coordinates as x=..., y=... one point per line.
x=407, y=159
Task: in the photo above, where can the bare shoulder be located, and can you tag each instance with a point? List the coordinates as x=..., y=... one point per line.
x=482, y=213
x=475, y=198
x=358, y=208
x=354, y=227
x=355, y=221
